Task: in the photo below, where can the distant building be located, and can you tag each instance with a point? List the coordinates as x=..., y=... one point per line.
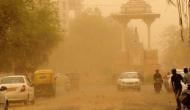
x=64, y=9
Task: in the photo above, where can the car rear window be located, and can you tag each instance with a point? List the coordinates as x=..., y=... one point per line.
x=129, y=75
x=12, y=80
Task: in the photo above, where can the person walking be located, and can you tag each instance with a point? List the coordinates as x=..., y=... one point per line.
x=185, y=96
x=177, y=86
x=187, y=78
x=167, y=82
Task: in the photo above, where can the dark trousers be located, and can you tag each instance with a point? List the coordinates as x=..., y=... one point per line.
x=188, y=87
x=177, y=94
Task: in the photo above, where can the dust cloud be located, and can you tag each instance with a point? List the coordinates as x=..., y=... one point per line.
x=92, y=49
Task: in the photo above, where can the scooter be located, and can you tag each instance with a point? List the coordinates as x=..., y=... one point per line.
x=158, y=85
x=185, y=99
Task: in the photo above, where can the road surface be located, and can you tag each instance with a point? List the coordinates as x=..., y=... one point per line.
x=102, y=97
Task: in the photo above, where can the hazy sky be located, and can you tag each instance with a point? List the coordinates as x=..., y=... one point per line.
x=168, y=16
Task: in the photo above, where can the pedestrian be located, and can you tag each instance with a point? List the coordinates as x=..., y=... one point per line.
x=187, y=78
x=177, y=86
x=167, y=78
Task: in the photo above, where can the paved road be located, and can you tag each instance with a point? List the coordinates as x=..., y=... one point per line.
x=103, y=97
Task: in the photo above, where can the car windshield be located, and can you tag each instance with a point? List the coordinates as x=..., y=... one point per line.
x=12, y=80
x=129, y=75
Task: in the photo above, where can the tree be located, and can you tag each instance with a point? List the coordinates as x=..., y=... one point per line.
x=176, y=53
x=29, y=32
x=183, y=7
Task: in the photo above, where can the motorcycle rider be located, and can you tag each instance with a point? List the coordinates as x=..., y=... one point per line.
x=186, y=93
x=158, y=78
x=187, y=77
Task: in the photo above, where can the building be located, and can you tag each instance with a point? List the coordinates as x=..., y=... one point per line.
x=133, y=56
x=64, y=9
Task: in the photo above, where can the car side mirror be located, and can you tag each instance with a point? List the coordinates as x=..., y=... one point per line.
x=3, y=88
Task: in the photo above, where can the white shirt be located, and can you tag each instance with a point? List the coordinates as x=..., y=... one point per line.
x=187, y=78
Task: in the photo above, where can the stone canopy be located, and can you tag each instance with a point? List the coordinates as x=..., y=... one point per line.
x=134, y=57
x=135, y=7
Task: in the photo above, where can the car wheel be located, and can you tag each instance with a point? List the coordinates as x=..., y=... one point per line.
x=32, y=102
x=6, y=105
x=139, y=89
x=120, y=88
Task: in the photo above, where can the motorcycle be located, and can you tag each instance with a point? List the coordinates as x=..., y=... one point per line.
x=185, y=99
x=158, y=85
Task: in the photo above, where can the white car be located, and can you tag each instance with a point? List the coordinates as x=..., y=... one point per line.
x=19, y=89
x=3, y=99
x=129, y=80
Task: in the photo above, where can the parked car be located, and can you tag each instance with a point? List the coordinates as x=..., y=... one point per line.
x=129, y=80
x=19, y=89
x=3, y=99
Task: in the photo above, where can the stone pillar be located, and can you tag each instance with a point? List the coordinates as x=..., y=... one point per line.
x=149, y=23
x=123, y=37
x=123, y=45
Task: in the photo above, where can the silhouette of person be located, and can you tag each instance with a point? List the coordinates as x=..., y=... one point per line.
x=177, y=86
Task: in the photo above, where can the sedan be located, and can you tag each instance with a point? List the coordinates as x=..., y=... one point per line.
x=19, y=89
x=129, y=80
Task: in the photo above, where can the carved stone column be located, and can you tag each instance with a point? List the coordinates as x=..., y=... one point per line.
x=149, y=22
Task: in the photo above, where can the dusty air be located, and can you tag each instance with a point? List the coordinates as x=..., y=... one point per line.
x=95, y=54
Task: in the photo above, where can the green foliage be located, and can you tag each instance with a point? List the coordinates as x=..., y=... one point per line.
x=28, y=33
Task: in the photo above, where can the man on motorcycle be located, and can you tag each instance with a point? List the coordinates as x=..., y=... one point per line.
x=185, y=96
x=158, y=76
x=157, y=81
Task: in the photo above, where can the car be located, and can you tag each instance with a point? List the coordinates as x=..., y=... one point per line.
x=44, y=81
x=19, y=89
x=3, y=99
x=129, y=80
